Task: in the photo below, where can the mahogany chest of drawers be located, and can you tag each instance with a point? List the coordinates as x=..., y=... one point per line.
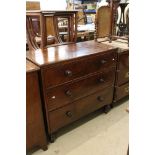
x=122, y=71
x=35, y=131
x=76, y=79
x=122, y=75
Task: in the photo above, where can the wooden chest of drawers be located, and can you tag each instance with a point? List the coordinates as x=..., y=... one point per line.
x=122, y=75
x=122, y=71
x=35, y=131
x=76, y=79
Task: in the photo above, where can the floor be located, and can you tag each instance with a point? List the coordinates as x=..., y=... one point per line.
x=96, y=134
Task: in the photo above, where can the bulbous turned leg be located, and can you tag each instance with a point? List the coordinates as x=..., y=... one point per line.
x=44, y=148
x=106, y=108
x=52, y=138
x=111, y=105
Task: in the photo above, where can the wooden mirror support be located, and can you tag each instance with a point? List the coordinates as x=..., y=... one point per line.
x=107, y=25
x=103, y=22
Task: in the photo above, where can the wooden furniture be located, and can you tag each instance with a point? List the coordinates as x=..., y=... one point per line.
x=106, y=33
x=103, y=22
x=76, y=79
x=35, y=131
x=82, y=18
x=32, y=5
x=122, y=72
x=49, y=31
x=106, y=23
x=122, y=75
x=123, y=23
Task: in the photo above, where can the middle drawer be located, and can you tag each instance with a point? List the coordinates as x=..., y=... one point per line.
x=64, y=94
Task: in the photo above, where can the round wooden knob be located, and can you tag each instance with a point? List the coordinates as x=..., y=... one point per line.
x=68, y=73
x=101, y=80
x=103, y=61
x=68, y=93
x=69, y=114
x=100, y=98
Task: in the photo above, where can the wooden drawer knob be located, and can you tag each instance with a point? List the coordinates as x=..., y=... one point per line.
x=68, y=73
x=68, y=93
x=101, y=80
x=100, y=98
x=69, y=114
x=103, y=61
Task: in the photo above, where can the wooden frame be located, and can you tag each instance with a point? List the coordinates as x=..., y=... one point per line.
x=32, y=5
x=105, y=22
x=49, y=26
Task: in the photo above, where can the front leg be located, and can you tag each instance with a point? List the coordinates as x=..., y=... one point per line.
x=52, y=138
x=106, y=108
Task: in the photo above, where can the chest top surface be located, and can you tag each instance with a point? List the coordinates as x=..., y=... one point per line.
x=57, y=54
x=30, y=67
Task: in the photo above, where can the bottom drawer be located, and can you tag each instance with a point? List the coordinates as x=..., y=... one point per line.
x=61, y=117
x=67, y=114
x=94, y=102
x=121, y=92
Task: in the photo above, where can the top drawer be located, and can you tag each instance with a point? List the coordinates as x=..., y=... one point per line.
x=68, y=71
x=123, y=59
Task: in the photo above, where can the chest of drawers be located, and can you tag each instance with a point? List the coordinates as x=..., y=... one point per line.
x=122, y=75
x=35, y=129
x=122, y=71
x=76, y=79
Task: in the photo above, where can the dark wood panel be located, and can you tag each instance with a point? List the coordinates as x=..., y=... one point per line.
x=35, y=131
x=123, y=68
x=72, y=70
x=121, y=92
x=62, y=95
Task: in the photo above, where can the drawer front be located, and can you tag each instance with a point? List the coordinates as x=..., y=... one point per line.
x=94, y=102
x=61, y=117
x=65, y=72
x=122, y=77
x=67, y=114
x=123, y=69
x=121, y=92
x=62, y=95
